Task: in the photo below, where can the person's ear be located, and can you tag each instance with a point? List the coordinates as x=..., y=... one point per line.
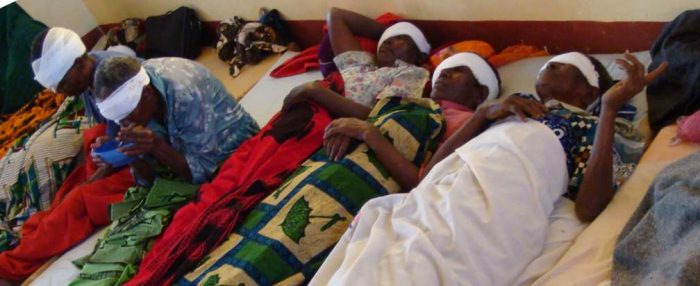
x=483, y=93
x=147, y=92
x=80, y=61
x=593, y=95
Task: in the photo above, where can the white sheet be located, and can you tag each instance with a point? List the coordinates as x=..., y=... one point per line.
x=62, y=271
x=478, y=218
x=563, y=229
x=266, y=97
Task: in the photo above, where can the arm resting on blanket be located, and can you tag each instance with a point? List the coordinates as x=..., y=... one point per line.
x=333, y=102
x=340, y=132
x=472, y=128
x=486, y=114
x=402, y=170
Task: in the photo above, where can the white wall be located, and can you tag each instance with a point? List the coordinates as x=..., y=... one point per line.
x=5, y=2
x=72, y=14
x=112, y=11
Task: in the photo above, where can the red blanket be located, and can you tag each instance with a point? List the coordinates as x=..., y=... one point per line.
x=257, y=168
x=321, y=55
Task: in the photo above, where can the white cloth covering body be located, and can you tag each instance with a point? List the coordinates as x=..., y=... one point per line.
x=478, y=218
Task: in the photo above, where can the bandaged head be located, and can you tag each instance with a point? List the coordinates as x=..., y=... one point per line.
x=60, y=49
x=581, y=62
x=405, y=28
x=124, y=99
x=483, y=73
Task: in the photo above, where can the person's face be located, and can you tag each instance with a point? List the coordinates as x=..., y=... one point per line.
x=565, y=83
x=144, y=111
x=77, y=79
x=399, y=47
x=459, y=85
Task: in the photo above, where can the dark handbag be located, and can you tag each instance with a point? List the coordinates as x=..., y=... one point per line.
x=175, y=34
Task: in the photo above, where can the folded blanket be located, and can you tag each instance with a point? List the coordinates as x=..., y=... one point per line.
x=660, y=245
x=142, y=215
x=478, y=218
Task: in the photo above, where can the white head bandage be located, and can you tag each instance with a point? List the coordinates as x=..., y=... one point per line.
x=124, y=99
x=581, y=62
x=58, y=53
x=479, y=67
x=406, y=28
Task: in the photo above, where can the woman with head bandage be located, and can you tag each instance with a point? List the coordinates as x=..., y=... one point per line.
x=170, y=96
x=395, y=71
x=60, y=63
x=485, y=203
x=177, y=120
x=460, y=84
x=59, y=51
x=572, y=85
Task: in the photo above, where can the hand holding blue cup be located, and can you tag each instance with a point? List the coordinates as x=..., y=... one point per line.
x=109, y=152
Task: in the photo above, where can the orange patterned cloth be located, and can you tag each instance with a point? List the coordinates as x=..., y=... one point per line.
x=27, y=119
x=515, y=53
x=485, y=50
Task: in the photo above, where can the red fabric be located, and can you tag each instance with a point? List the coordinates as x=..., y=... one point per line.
x=305, y=61
x=308, y=59
x=252, y=172
x=335, y=82
x=78, y=210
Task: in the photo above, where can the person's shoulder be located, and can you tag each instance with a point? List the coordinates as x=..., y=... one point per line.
x=418, y=71
x=174, y=64
x=102, y=55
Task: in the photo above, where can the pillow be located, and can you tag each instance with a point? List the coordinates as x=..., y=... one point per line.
x=520, y=77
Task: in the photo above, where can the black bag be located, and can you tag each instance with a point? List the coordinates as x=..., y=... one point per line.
x=176, y=34
x=676, y=92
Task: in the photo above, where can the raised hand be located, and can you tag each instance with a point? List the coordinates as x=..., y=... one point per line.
x=637, y=78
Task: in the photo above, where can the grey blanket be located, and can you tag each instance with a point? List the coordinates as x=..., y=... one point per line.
x=660, y=245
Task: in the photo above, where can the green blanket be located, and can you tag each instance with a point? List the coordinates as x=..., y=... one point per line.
x=17, y=31
x=142, y=216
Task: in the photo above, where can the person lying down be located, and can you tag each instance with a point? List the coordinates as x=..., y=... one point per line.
x=484, y=204
x=398, y=135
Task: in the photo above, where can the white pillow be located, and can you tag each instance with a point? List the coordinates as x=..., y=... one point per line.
x=520, y=76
